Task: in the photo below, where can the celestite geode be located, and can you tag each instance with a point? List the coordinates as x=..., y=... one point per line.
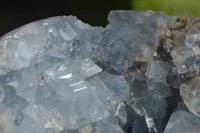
x=60, y=75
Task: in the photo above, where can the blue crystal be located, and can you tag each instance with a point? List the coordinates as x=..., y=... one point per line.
x=61, y=75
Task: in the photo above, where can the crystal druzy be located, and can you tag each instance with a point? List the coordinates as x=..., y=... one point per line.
x=138, y=74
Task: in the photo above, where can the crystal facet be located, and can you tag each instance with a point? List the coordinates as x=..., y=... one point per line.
x=183, y=122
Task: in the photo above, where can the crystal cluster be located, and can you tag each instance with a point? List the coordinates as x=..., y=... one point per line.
x=139, y=74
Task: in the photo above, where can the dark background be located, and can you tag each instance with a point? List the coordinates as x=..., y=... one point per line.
x=15, y=13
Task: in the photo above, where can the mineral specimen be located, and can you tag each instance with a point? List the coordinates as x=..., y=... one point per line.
x=60, y=75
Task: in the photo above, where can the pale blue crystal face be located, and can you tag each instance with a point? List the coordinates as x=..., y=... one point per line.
x=117, y=86
x=120, y=57
x=130, y=25
x=190, y=93
x=157, y=71
x=180, y=56
x=183, y=122
x=88, y=68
